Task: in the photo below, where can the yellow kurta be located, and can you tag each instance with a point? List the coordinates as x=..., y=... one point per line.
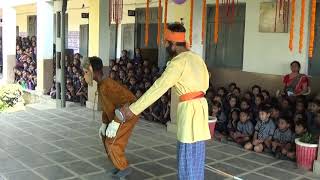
x=186, y=73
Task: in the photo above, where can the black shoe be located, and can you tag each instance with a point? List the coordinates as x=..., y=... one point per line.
x=114, y=171
x=123, y=173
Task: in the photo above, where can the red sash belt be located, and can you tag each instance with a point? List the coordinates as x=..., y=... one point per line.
x=191, y=96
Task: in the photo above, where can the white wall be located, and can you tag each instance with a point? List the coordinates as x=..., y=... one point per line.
x=269, y=52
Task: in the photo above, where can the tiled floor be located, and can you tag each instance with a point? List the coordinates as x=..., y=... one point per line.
x=42, y=143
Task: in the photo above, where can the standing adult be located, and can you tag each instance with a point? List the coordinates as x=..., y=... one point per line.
x=186, y=73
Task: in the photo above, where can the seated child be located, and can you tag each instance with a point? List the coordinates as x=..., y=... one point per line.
x=221, y=125
x=282, y=138
x=231, y=87
x=209, y=97
x=232, y=103
x=264, y=130
x=236, y=91
x=300, y=130
x=233, y=120
x=300, y=107
x=266, y=96
x=256, y=106
x=222, y=92
x=248, y=96
x=314, y=125
x=256, y=90
x=161, y=110
x=313, y=108
x=275, y=113
x=244, y=130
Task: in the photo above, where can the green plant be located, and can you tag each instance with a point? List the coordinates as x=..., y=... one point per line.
x=309, y=138
x=10, y=95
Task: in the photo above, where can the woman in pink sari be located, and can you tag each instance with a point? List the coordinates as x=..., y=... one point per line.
x=296, y=84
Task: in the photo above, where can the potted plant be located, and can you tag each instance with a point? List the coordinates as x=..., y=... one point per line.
x=306, y=151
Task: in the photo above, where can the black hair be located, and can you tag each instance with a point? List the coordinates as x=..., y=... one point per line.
x=316, y=101
x=276, y=107
x=256, y=86
x=260, y=96
x=265, y=108
x=222, y=88
x=177, y=27
x=245, y=100
x=295, y=62
x=217, y=104
x=286, y=118
x=265, y=91
x=247, y=112
x=237, y=88
x=96, y=63
x=232, y=96
x=301, y=122
x=232, y=84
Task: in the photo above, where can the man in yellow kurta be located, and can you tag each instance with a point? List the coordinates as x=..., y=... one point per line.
x=188, y=76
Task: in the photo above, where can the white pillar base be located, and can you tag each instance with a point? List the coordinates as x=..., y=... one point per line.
x=316, y=167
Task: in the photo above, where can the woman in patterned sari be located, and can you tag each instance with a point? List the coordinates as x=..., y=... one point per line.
x=296, y=84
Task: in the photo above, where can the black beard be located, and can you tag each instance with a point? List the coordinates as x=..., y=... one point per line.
x=170, y=52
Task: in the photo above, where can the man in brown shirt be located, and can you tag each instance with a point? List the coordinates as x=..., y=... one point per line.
x=113, y=132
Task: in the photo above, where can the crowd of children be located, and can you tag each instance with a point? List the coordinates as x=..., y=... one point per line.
x=76, y=87
x=260, y=122
x=138, y=75
x=26, y=64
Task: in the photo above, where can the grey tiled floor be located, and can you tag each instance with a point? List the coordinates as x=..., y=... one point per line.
x=48, y=143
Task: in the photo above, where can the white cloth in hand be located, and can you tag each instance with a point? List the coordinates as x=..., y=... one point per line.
x=102, y=130
x=112, y=129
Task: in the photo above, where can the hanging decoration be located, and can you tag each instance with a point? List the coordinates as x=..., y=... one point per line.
x=159, y=22
x=165, y=16
x=312, y=27
x=293, y=12
x=303, y=6
x=116, y=11
x=191, y=22
x=146, y=38
x=179, y=1
x=276, y=17
x=216, y=22
x=204, y=16
x=115, y=15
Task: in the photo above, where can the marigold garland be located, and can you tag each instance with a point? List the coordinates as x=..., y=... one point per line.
x=216, y=23
x=204, y=15
x=293, y=10
x=165, y=16
x=191, y=22
x=159, y=22
x=312, y=27
x=146, y=37
x=303, y=6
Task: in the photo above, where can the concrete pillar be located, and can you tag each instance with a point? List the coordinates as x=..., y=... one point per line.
x=119, y=41
x=99, y=40
x=316, y=164
x=9, y=43
x=197, y=46
x=44, y=46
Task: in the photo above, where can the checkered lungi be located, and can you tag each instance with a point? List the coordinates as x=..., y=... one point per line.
x=191, y=160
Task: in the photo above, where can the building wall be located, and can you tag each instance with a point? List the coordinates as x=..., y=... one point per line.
x=74, y=14
x=22, y=17
x=268, y=52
